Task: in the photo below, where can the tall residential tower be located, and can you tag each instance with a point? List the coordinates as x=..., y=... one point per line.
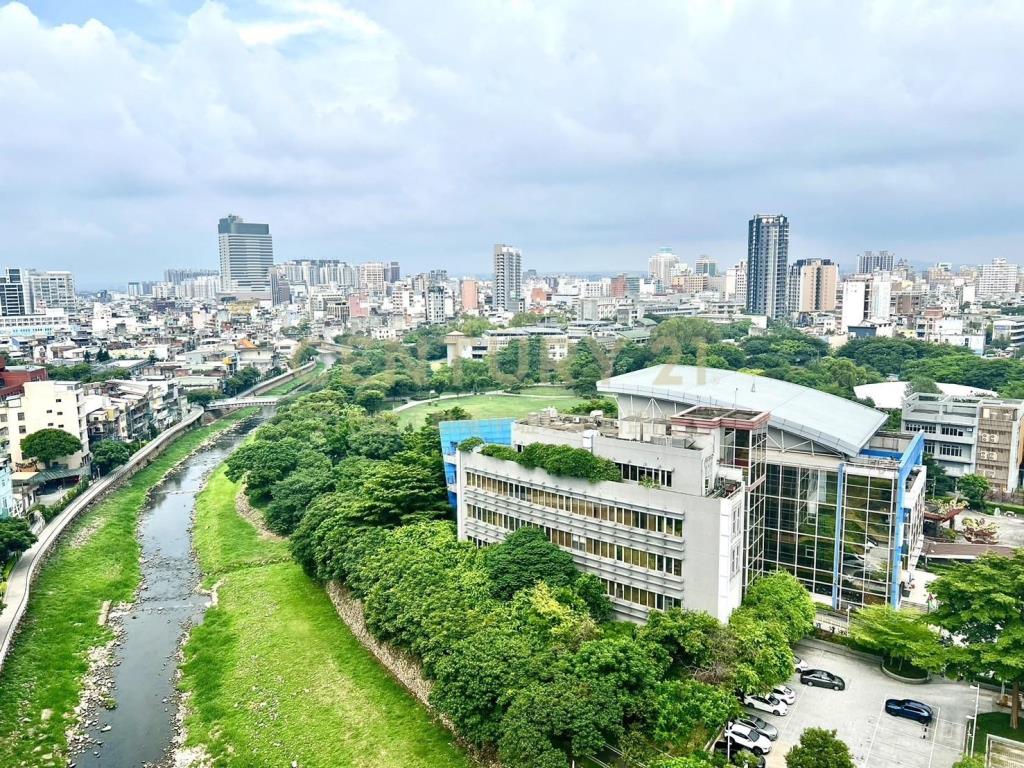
x=767, y=257
x=508, y=278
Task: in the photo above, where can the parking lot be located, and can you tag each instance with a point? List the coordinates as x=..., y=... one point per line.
x=876, y=740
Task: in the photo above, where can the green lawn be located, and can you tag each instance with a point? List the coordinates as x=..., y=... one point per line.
x=555, y=391
x=487, y=406
x=44, y=670
x=287, y=386
x=998, y=724
x=276, y=676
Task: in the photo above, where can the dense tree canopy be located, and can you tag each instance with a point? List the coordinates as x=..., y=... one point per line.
x=15, y=537
x=108, y=454
x=49, y=444
x=819, y=748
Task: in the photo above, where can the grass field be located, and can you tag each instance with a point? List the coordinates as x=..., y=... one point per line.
x=488, y=406
x=287, y=386
x=275, y=676
x=998, y=724
x=41, y=680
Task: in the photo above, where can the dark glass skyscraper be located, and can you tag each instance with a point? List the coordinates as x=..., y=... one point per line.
x=767, y=257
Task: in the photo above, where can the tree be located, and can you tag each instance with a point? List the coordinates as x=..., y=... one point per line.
x=762, y=656
x=49, y=444
x=370, y=399
x=922, y=385
x=693, y=641
x=507, y=359
x=524, y=558
x=202, y=397
x=970, y=761
x=982, y=605
x=974, y=488
x=942, y=484
x=780, y=597
x=819, y=748
x=15, y=537
x=108, y=454
x=687, y=713
x=897, y=635
x=584, y=368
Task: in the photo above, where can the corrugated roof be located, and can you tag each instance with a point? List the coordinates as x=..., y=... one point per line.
x=826, y=419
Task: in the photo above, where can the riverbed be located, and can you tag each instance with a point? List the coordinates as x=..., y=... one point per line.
x=140, y=729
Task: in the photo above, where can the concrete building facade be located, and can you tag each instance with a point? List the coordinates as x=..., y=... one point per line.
x=508, y=278
x=767, y=259
x=246, y=255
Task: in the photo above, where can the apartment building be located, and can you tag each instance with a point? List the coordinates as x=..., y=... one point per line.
x=46, y=405
x=839, y=503
x=970, y=435
x=671, y=533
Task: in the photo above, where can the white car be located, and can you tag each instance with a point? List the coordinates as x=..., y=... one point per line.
x=748, y=738
x=799, y=664
x=766, y=703
x=784, y=693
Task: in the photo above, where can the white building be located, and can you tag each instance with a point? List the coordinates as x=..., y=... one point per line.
x=52, y=290
x=997, y=279
x=246, y=255
x=372, y=277
x=661, y=264
x=866, y=298
x=47, y=405
x=508, y=278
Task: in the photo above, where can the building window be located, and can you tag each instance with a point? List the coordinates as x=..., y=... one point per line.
x=950, y=450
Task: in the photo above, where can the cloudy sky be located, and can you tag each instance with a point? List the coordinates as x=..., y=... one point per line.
x=588, y=133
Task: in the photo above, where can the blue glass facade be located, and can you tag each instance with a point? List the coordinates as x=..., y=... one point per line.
x=496, y=431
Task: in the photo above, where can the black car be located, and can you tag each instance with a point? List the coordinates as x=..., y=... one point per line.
x=910, y=709
x=730, y=750
x=819, y=678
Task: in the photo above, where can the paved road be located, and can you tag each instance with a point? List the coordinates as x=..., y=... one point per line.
x=20, y=581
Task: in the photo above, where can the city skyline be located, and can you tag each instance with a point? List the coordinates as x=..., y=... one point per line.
x=425, y=161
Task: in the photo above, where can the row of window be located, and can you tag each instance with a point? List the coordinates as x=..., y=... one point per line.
x=628, y=555
x=660, y=477
x=944, y=449
x=594, y=510
x=637, y=557
x=644, y=597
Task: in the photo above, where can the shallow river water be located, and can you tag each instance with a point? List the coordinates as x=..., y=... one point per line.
x=140, y=729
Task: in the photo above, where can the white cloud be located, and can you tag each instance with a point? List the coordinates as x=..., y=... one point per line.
x=579, y=129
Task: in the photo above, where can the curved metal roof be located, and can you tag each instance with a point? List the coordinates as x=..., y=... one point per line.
x=831, y=421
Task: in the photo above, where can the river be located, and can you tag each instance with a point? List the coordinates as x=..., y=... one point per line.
x=140, y=729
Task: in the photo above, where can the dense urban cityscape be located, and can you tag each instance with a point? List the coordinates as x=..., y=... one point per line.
x=511, y=385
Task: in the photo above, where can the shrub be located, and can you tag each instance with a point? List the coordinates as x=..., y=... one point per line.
x=561, y=460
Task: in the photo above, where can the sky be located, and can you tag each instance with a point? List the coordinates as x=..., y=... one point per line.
x=588, y=133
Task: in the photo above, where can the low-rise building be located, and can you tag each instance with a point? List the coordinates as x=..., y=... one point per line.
x=970, y=435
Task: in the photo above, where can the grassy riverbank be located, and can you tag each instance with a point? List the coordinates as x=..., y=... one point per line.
x=97, y=560
x=275, y=676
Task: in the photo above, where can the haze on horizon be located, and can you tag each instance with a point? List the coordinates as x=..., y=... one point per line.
x=586, y=134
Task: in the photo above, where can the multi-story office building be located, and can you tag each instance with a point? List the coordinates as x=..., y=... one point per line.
x=434, y=299
x=508, y=278
x=52, y=290
x=15, y=293
x=970, y=435
x=812, y=285
x=838, y=503
x=997, y=279
x=394, y=272
x=869, y=262
x=372, y=277
x=767, y=259
x=705, y=265
x=661, y=265
x=246, y=255
x=671, y=533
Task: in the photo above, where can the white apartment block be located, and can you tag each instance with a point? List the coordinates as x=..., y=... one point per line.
x=373, y=277
x=508, y=279
x=47, y=405
x=997, y=279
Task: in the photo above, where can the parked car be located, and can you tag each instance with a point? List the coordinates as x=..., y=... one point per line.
x=731, y=750
x=819, y=678
x=910, y=709
x=761, y=724
x=784, y=693
x=799, y=664
x=765, y=703
x=748, y=738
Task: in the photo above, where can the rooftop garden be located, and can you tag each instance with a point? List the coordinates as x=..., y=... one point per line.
x=560, y=460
